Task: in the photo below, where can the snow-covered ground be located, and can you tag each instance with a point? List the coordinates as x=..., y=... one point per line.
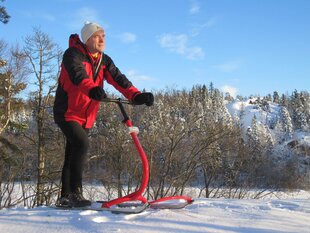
x=288, y=214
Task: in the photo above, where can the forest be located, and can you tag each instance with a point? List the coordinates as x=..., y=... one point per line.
x=190, y=137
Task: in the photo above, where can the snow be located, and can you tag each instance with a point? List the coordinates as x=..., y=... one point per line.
x=288, y=214
x=301, y=137
x=249, y=110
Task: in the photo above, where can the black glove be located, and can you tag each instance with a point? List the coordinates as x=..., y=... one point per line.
x=97, y=93
x=144, y=98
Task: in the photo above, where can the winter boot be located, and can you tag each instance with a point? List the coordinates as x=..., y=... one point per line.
x=77, y=199
x=74, y=199
x=64, y=201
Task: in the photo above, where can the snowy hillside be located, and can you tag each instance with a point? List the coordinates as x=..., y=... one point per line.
x=246, y=110
x=268, y=114
x=204, y=215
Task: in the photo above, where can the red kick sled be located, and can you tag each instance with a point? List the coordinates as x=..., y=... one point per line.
x=135, y=202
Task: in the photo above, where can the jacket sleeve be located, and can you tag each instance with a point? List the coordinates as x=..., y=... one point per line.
x=118, y=80
x=73, y=63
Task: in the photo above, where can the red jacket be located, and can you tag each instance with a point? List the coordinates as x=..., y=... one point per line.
x=77, y=77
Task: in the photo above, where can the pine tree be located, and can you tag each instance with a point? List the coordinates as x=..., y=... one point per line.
x=284, y=100
x=285, y=122
x=276, y=97
x=299, y=111
x=254, y=134
x=268, y=140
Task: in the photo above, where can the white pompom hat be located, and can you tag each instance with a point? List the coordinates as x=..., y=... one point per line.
x=89, y=29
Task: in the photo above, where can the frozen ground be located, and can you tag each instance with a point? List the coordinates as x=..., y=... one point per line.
x=288, y=214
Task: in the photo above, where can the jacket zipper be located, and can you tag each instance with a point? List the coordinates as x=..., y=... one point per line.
x=95, y=74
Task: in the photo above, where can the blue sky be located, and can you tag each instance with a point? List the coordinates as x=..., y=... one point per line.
x=242, y=46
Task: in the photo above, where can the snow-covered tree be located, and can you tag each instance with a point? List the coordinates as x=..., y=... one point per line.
x=253, y=134
x=299, y=105
x=285, y=122
x=276, y=97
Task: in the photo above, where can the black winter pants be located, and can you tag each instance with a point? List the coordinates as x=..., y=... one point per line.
x=77, y=144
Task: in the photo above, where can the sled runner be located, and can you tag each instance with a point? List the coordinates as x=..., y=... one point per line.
x=131, y=208
x=135, y=202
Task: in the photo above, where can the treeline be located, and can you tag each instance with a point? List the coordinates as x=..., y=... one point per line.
x=189, y=136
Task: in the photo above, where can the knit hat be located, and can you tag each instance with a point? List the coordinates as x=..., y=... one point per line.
x=89, y=29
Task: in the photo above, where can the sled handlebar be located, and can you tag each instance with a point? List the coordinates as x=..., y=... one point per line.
x=120, y=103
x=119, y=100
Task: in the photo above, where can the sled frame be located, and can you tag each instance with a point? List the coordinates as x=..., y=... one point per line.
x=138, y=194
